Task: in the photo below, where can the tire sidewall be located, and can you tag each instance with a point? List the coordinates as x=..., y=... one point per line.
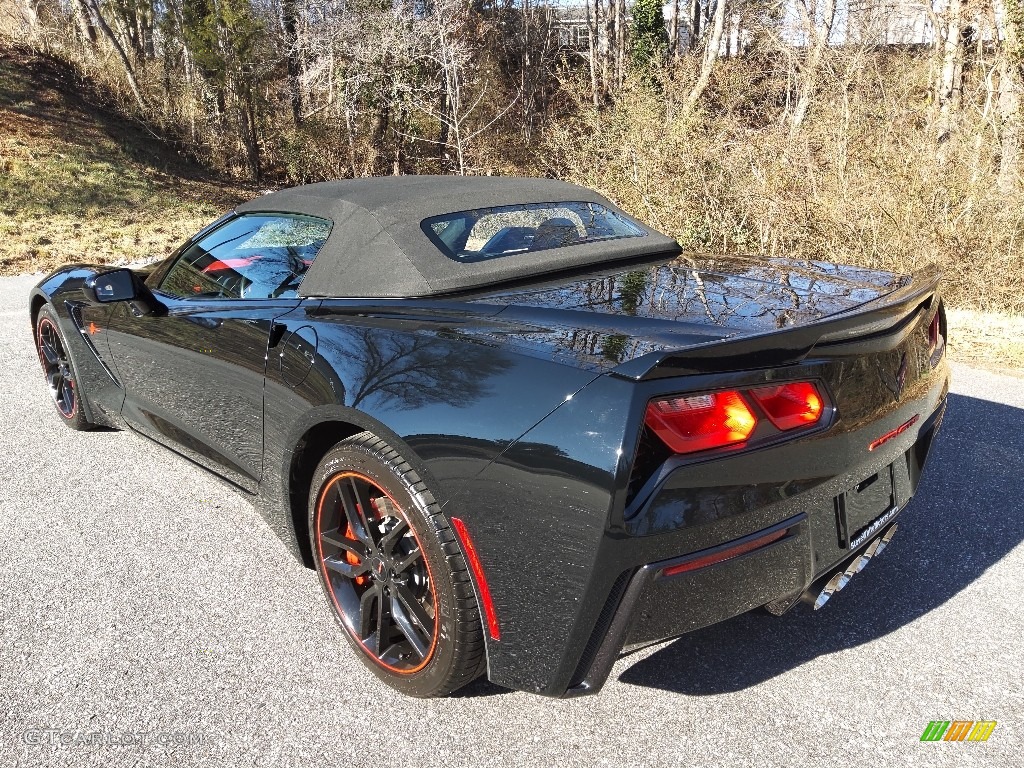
x=77, y=419
x=423, y=517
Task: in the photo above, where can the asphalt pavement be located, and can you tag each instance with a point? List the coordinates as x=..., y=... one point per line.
x=148, y=617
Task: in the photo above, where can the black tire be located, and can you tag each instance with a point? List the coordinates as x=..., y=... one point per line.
x=398, y=567
x=59, y=371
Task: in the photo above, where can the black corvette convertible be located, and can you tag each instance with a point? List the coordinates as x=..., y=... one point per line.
x=513, y=429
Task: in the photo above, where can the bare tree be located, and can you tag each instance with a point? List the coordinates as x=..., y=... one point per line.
x=595, y=28
x=673, y=31
x=129, y=71
x=818, y=32
x=83, y=19
x=619, y=46
x=949, y=84
x=714, y=44
x=696, y=12
x=1011, y=60
x=291, y=41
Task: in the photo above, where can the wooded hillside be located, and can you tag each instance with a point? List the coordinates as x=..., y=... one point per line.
x=820, y=128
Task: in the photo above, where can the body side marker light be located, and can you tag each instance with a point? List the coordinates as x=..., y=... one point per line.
x=725, y=554
x=478, y=573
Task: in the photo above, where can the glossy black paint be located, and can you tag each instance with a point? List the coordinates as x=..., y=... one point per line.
x=214, y=415
x=522, y=409
x=108, y=287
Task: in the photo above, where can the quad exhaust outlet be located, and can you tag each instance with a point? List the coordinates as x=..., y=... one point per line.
x=841, y=579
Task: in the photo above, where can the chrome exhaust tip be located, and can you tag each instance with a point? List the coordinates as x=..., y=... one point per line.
x=841, y=579
x=884, y=541
x=835, y=584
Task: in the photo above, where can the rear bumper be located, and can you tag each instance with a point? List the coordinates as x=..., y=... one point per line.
x=778, y=564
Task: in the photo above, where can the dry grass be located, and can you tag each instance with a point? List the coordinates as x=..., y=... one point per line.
x=78, y=184
x=860, y=183
x=989, y=339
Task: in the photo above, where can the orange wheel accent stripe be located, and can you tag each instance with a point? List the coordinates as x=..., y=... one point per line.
x=430, y=576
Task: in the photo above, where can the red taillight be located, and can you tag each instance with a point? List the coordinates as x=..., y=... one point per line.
x=792, y=405
x=700, y=422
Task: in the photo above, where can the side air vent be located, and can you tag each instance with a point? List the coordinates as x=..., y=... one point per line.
x=651, y=453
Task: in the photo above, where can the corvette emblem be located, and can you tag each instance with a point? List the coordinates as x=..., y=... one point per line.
x=896, y=383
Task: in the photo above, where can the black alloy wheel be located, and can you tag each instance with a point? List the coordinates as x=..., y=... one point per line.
x=379, y=580
x=58, y=369
x=392, y=570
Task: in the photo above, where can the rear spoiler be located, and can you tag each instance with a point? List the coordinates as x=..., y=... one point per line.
x=874, y=326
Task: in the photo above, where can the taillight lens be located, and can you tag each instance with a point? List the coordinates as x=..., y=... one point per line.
x=792, y=405
x=701, y=422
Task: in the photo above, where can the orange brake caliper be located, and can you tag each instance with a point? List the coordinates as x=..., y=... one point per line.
x=351, y=557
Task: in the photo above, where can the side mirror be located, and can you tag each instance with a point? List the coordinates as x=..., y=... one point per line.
x=108, y=287
x=121, y=285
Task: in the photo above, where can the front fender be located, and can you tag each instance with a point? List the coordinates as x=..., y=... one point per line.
x=82, y=325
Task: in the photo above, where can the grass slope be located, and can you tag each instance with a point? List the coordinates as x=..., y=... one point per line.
x=79, y=184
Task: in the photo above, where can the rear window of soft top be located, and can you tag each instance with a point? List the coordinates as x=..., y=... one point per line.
x=488, y=233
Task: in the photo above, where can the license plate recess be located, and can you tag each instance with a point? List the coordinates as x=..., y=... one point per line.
x=872, y=498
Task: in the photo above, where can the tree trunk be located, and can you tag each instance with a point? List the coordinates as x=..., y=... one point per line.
x=728, y=30
x=133, y=84
x=1010, y=127
x=350, y=130
x=291, y=40
x=949, y=85
x=695, y=16
x=594, y=8
x=380, y=130
x=1010, y=90
x=248, y=129
x=620, y=43
x=807, y=81
x=83, y=18
x=608, y=69
x=146, y=30
x=129, y=23
x=399, y=159
x=30, y=15
x=673, y=31
x=710, y=57
x=527, y=72
x=165, y=81
x=442, y=133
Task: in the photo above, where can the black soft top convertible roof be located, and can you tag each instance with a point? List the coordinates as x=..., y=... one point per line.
x=377, y=248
